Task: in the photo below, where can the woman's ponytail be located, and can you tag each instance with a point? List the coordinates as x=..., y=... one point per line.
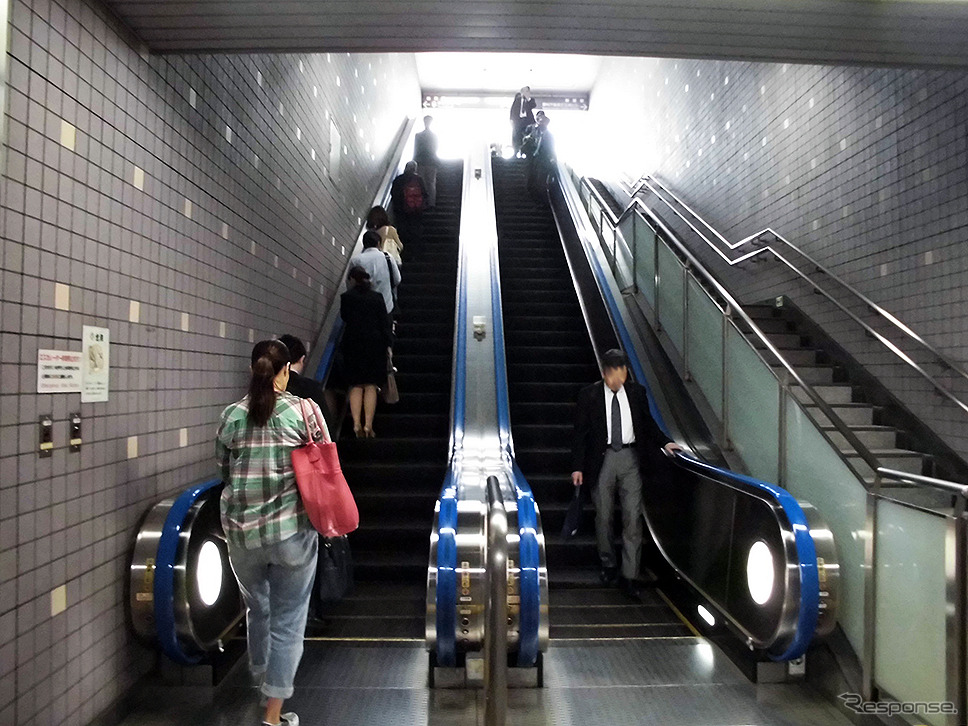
x=268, y=358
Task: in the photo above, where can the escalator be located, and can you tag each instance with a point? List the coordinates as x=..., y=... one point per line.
x=396, y=476
x=549, y=357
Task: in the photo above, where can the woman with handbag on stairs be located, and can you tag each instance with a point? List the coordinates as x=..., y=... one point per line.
x=272, y=545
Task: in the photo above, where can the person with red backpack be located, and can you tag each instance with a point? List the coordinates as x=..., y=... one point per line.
x=408, y=197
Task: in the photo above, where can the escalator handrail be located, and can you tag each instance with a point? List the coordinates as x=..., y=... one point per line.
x=164, y=585
x=945, y=360
x=808, y=613
x=529, y=555
x=637, y=205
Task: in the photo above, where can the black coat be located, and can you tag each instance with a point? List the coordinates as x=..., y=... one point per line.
x=529, y=106
x=366, y=336
x=591, y=431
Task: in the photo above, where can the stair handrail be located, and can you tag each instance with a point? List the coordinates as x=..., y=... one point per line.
x=733, y=307
x=651, y=183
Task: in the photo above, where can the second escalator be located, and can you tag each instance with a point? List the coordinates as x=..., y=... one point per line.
x=549, y=358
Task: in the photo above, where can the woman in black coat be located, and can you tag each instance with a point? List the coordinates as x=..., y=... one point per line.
x=366, y=341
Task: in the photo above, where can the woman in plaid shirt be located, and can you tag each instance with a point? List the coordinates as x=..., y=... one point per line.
x=271, y=544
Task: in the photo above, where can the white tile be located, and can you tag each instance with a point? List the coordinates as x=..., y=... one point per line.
x=221, y=329
x=68, y=135
x=62, y=296
x=134, y=311
x=884, y=270
x=228, y=133
x=192, y=97
x=132, y=447
x=183, y=437
x=58, y=600
x=138, y=178
x=843, y=144
x=251, y=246
x=251, y=335
x=929, y=257
x=225, y=230
x=185, y=322
x=188, y=208
x=275, y=261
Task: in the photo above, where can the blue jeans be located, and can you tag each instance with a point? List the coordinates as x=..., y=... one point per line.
x=276, y=582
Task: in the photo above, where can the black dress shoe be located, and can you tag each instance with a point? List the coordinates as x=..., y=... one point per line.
x=608, y=575
x=629, y=588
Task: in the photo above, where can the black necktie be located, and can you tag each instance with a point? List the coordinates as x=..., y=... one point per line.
x=616, y=423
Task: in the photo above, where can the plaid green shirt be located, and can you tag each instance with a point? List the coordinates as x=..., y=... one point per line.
x=260, y=502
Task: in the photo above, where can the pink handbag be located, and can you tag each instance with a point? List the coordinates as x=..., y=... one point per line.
x=322, y=486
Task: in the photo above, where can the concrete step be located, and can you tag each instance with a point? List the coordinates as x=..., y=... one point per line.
x=860, y=414
x=830, y=394
x=900, y=459
x=874, y=437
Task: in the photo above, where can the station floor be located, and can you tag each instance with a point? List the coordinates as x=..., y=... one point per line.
x=681, y=681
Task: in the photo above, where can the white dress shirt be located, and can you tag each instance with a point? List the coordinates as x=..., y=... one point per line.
x=628, y=433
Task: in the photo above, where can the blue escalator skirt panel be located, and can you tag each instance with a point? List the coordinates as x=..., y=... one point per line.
x=806, y=550
x=164, y=590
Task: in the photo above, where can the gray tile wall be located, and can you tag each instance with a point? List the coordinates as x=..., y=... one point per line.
x=864, y=169
x=188, y=204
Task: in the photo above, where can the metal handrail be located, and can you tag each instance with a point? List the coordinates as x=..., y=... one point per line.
x=733, y=306
x=651, y=182
x=905, y=477
x=496, y=607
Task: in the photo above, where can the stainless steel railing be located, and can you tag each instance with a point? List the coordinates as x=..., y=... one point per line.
x=731, y=310
x=769, y=235
x=496, y=609
x=906, y=586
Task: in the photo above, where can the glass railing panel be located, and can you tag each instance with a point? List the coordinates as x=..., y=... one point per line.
x=704, y=333
x=911, y=587
x=644, y=258
x=816, y=473
x=752, y=402
x=670, y=296
x=624, y=262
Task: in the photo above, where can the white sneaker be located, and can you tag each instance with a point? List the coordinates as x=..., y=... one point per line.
x=288, y=719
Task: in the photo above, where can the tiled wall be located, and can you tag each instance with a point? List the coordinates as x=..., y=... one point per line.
x=864, y=169
x=190, y=205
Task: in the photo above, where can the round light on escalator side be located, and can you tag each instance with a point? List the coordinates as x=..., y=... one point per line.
x=209, y=572
x=759, y=572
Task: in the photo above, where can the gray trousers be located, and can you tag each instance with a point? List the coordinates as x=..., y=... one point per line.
x=620, y=471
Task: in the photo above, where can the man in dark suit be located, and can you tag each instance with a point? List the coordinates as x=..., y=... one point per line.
x=615, y=440
x=522, y=116
x=303, y=386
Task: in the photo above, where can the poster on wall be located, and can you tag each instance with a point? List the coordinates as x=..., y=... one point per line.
x=59, y=371
x=95, y=363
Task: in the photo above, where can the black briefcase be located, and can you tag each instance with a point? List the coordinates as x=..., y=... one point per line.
x=573, y=517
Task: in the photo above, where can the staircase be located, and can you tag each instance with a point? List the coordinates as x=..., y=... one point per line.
x=397, y=476
x=549, y=358
x=837, y=381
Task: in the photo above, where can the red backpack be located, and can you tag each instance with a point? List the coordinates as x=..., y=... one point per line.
x=413, y=197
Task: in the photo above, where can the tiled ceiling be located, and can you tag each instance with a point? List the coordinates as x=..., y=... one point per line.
x=887, y=32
